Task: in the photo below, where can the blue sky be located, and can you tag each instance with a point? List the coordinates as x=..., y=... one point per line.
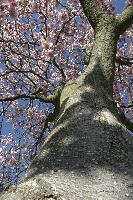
x=119, y=4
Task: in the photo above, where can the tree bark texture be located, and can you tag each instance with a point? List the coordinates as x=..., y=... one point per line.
x=86, y=157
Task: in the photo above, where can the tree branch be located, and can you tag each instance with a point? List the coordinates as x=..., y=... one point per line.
x=123, y=119
x=60, y=69
x=128, y=106
x=49, y=99
x=121, y=116
x=125, y=20
x=124, y=61
x=92, y=11
x=50, y=118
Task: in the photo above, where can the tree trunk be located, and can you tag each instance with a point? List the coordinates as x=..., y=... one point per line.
x=86, y=156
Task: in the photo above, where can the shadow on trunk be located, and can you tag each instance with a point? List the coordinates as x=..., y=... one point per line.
x=83, y=141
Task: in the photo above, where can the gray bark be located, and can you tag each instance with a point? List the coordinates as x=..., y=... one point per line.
x=86, y=157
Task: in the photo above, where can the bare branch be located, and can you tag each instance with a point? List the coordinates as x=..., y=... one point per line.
x=23, y=71
x=123, y=119
x=125, y=20
x=21, y=96
x=49, y=99
x=60, y=69
x=128, y=106
x=51, y=117
x=92, y=11
x=124, y=61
